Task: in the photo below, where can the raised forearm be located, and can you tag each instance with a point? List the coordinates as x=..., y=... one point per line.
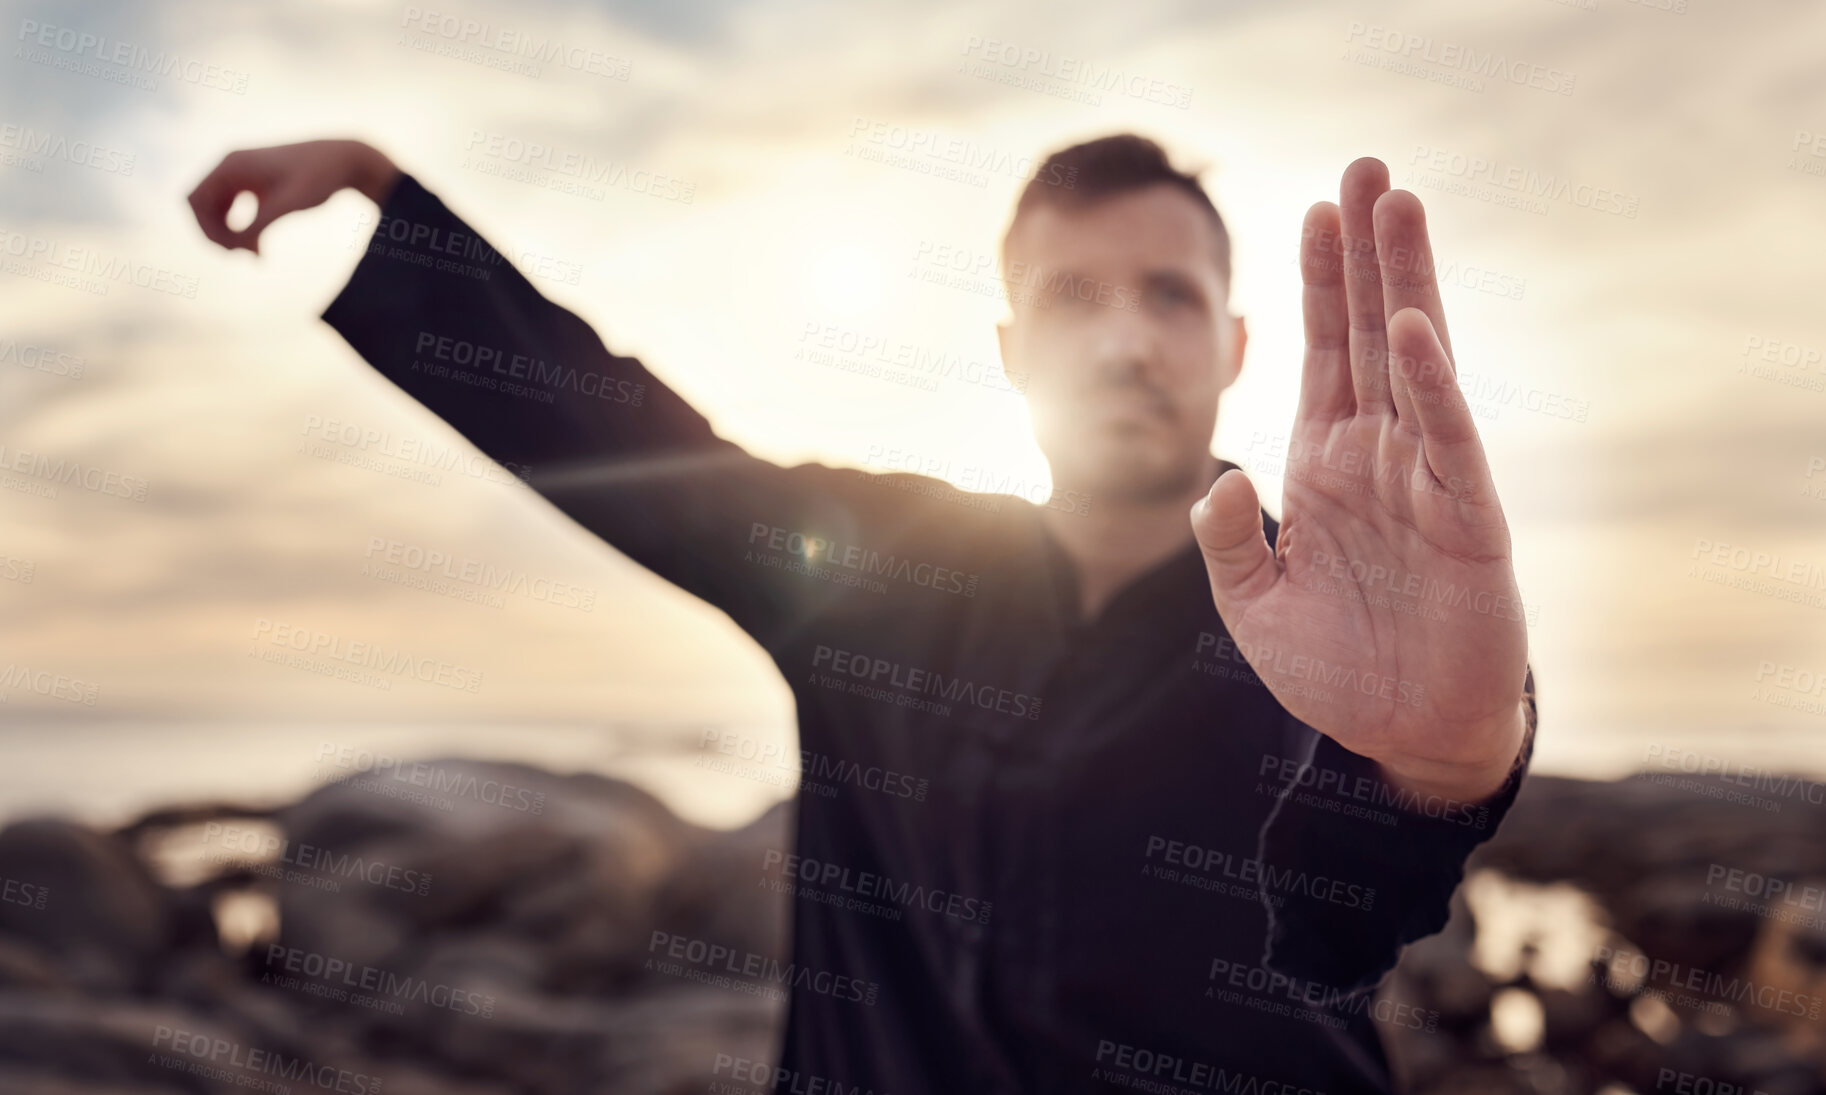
x=1472, y=779
x=375, y=174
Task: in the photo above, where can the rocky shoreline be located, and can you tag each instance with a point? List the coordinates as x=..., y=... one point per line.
x=486, y=929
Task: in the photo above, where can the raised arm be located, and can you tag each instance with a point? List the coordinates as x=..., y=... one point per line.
x=445, y=316
x=1385, y=615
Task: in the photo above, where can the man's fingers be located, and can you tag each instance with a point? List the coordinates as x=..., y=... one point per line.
x=216, y=194
x=1409, y=279
x=282, y=200
x=1448, y=434
x=1325, y=392
x=1365, y=180
x=210, y=202
x=1228, y=525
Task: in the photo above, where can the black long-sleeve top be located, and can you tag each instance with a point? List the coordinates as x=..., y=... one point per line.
x=1047, y=853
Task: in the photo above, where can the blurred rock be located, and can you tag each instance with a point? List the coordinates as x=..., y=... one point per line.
x=84, y=900
x=451, y=926
x=1654, y=853
x=467, y=928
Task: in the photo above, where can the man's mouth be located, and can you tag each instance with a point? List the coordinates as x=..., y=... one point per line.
x=1130, y=406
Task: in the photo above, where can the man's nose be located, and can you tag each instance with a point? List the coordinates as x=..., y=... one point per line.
x=1123, y=344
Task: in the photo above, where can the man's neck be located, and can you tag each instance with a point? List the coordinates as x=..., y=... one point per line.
x=1119, y=540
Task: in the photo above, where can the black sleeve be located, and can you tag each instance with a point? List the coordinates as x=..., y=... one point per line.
x=1377, y=865
x=439, y=312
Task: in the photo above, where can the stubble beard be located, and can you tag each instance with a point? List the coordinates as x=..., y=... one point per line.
x=1139, y=479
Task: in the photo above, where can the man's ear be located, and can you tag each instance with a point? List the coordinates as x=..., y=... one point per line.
x=1004, y=331
x=1239, y=341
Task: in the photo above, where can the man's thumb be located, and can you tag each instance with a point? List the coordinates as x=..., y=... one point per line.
x=272, y=206
x=1228, y=525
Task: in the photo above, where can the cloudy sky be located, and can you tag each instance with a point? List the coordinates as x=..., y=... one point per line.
x=1642, y=342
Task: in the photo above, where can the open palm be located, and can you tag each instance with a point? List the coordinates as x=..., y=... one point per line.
x=1387, y=615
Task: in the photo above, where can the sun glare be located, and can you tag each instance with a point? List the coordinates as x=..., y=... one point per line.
x=844, y=281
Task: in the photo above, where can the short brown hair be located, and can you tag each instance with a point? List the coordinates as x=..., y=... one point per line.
x=1098, y=169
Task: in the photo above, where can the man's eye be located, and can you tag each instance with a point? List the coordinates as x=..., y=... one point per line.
x=1169, y=296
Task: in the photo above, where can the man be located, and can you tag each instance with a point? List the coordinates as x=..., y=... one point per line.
x=1186, y=787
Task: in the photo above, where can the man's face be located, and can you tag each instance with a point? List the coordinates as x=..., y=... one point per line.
x=1122, y=330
